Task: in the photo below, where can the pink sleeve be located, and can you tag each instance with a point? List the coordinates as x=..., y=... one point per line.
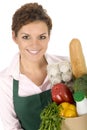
x=7, y=113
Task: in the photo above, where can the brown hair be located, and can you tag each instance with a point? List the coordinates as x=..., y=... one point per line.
x=30, y=12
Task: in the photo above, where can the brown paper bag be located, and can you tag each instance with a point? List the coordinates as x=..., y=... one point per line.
x=76, y=123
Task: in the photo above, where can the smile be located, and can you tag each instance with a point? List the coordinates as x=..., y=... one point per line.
x=33, y=52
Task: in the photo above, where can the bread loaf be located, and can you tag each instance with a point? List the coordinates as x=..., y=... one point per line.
x=78, y=63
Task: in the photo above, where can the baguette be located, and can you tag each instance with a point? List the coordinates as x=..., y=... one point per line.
x=77, y=59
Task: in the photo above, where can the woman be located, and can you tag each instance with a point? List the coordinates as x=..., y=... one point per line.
x=24, y=85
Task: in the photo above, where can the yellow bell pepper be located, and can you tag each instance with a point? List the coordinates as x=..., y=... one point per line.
x=67, y=110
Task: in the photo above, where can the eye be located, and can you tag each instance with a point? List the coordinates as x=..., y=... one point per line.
x=26, y=37
x=42, y=37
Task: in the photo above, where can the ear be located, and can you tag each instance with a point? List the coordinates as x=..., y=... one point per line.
x=14, y=37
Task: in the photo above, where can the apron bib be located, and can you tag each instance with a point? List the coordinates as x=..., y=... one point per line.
x=28, y=108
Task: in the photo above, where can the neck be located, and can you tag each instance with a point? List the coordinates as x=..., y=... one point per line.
x=27, y=66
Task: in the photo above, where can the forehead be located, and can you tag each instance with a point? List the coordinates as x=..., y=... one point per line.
x=35, y=27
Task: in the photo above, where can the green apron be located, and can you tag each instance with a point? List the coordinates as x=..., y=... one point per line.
x=28, y=108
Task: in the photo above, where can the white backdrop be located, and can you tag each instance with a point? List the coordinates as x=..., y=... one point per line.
x=69, y=21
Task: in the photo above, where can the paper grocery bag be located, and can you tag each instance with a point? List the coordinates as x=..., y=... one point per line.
x=76, y=123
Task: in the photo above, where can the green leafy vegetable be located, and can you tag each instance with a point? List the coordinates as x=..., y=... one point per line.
x=51, y=119
x=80, y=84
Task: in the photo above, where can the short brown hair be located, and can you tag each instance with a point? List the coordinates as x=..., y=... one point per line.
x=28, y=13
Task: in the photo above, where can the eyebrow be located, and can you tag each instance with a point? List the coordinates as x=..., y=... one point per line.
x=29, y=34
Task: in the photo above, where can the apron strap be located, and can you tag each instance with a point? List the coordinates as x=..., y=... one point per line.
x=15, y=90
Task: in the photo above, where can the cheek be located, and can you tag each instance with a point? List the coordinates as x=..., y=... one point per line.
x=45, y=45
x=21, y=46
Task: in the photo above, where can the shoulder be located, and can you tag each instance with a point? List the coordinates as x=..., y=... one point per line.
x=55, y=58
x=5, y=85
x=4, y=75
x=7, y=75
x=12, y=71
x=5, y=78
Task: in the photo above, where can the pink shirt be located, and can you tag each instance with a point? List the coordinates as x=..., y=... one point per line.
x=26, y=88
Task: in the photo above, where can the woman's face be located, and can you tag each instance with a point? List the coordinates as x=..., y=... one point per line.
x=32, y=40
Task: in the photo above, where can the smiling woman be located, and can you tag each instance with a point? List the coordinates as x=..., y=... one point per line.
x=25, y=88
x=24, y=84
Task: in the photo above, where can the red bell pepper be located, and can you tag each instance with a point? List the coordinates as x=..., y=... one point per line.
x=61, y=93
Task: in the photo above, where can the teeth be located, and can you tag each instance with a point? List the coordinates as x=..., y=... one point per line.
x=34, y=52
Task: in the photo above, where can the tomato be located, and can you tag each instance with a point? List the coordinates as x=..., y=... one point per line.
x=61, y=93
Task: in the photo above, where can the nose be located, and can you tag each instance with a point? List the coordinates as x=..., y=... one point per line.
x=34, y=42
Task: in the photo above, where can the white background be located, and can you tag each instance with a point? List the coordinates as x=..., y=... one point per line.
x=69, y=21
